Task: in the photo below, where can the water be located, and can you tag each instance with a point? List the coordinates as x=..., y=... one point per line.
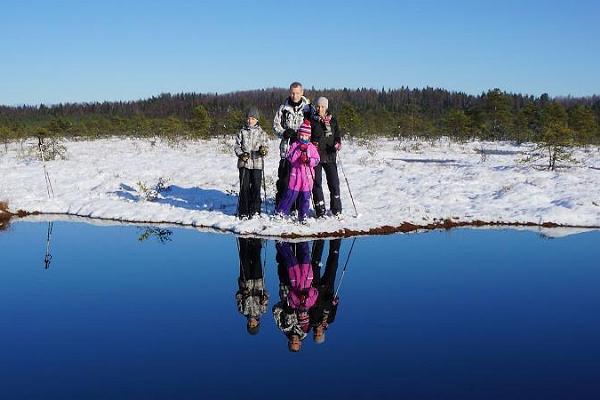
x=458, y=314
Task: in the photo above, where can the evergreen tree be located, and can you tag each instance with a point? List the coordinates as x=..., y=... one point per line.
x=456, y=123
x=200, y=122
x=349, y=120
x=497, y=106
x=583, y=121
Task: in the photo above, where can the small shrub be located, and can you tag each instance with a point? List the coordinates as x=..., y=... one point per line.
x=150, y=193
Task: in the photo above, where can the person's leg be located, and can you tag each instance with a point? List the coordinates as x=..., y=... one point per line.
x=318, y=191
x=285, y=204
x=283, y=177
x=317, y=253
x=255, y=188
x=243, y=200
x=254, y=259
x=333, y=183
x=304, y=205
x=332, y=263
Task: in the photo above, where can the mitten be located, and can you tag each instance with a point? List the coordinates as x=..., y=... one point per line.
x=304, y=158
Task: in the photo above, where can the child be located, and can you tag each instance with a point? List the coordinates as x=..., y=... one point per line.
x=251, y=148
x=303, y=157
x=252, y=297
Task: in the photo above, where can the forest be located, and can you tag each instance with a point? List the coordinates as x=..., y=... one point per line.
x=427, y=112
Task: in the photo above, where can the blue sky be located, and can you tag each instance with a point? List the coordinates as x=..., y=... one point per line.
x=65, y=51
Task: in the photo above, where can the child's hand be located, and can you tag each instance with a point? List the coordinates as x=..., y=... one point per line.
x=303, y=147
x=244, y=157
x=262, y=150
x=304, y=158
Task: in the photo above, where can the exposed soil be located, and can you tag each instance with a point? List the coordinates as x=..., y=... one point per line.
x=5, y=215
x=343, y=233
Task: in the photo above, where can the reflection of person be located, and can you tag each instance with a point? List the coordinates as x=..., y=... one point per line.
x=324, y=311
x=327, y=135
x=288, y=119
x=252, y=297
x=250, y=148
x=296, y=294
x=303, y=157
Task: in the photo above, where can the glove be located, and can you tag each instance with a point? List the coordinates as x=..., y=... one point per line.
x=262, y=150
x=244, y=157
x=304, y=158
x=338, y=146
x=303, y=147
x=289, y=134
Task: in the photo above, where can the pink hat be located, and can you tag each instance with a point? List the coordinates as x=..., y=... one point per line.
x=304, y=128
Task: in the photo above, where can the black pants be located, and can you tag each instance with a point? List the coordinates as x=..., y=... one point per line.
x=249, y=200
x=250, y=260
x=327, y=280
x=283, y=180
x=333, y=183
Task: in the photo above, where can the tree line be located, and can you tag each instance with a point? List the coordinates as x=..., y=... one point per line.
x=427, y=112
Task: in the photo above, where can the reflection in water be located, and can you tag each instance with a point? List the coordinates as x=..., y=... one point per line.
x=323, y=313
x=307, y=299
x=296, y=294
x=48, y=255
x=161, y=234
x=252, y=297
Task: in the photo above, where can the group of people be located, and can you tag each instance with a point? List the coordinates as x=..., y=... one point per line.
x=307, y=298
x=310, y=140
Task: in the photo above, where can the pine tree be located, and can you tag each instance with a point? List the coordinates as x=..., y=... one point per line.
x=349, y=120
x=200, y=122
x=497, y=106
x=456, y=123
x=583, y=121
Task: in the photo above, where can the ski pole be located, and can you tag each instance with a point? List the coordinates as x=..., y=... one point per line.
x=49, y=188
x=240, y=193
x=264, y=182
x=348, y=185
x=344, y=270
x=48, y=256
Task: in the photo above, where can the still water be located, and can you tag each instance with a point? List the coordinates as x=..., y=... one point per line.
x=137, y=312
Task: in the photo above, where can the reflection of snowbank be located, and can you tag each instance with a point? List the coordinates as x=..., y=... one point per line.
x=392, y=182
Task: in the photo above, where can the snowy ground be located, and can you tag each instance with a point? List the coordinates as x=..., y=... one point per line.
x=392, y=182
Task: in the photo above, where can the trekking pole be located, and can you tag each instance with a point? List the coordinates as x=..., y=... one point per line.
x=348, y=185
x=344, y=270
x=48, y=256
x=264, y=182
x=312, y=175
x=237, y=213
x=49, y=188
x=264, y=266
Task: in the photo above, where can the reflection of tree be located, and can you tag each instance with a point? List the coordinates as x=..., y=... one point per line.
x=161, y=234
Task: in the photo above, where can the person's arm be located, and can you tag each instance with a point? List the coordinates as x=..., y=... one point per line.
x=313, y=154
x=294, y=153
x=337, y=134
x=239, y=144
x=277, y=127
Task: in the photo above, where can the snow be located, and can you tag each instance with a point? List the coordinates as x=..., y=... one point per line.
x=392, y=181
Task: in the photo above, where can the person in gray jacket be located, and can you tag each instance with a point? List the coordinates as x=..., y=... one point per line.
x=288, y=119
x=252, y=297
x=250, y=148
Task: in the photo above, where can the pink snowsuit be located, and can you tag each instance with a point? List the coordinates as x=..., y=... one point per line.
x=301, y=178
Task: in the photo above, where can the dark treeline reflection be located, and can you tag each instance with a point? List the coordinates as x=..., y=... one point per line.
x=308, y=300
